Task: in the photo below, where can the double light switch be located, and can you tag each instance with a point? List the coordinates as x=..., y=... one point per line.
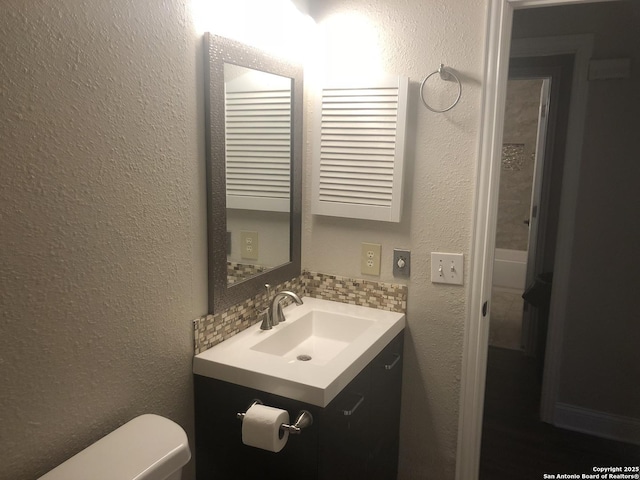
x=447, y=268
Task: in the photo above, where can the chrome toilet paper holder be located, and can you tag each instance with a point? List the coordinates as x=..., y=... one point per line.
x=303, y=420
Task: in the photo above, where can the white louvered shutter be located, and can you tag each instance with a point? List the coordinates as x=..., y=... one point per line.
x=258, y=147
x=359, y=150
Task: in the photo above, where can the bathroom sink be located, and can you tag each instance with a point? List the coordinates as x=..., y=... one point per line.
x=311, y=357
x=316, y=337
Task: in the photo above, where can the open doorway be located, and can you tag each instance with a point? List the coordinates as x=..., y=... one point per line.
x=515, y=441
x=525, y=128
x=531, y=175
x=593, y=346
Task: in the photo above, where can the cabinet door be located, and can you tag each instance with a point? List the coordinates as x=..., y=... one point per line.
x=219, y=449
x=345, y=439
x=386, y=386
x=220, y=453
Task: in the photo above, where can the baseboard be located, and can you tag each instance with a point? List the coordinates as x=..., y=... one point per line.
x=600, y=424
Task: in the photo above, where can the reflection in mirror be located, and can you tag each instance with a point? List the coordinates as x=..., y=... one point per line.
x=258, y=167
x=254, y=170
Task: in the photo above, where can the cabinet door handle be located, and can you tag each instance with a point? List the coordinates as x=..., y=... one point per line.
x=353, y=409
x=389, y=366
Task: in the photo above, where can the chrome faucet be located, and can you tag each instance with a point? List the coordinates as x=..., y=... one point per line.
x=273, y=315
x=277, y=315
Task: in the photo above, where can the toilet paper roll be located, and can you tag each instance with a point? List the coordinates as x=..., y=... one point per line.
x=261, y=428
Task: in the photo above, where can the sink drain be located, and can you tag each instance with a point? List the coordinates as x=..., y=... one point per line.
x=304, y=358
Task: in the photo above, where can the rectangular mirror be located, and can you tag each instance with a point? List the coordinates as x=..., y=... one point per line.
x=258, y=170
x=254, y=156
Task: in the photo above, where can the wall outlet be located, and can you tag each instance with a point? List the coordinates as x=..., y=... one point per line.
x=370, y=264
x=447, y=268
x=249, y=245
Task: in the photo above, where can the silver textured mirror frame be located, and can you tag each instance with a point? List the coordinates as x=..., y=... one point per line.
x=218, y=51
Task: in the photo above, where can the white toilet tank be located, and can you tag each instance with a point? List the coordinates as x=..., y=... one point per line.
x=149, y=447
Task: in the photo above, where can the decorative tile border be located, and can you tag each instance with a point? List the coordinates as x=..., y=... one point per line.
x=210, y=330
x=213, y=329
x=512, y=156
x=365, y=293
x=236, y=272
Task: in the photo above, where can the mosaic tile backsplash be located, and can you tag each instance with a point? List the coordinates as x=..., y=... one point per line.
x=210, y=330
x=365, y=293
x=237, y=272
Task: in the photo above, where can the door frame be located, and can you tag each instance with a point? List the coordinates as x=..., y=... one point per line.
x=474, y=361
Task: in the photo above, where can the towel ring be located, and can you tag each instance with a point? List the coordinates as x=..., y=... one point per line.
x=443, y=73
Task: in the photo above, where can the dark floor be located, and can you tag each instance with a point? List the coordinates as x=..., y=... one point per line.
x=517, y=445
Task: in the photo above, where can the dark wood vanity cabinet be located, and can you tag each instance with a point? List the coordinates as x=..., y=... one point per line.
x=355, y=436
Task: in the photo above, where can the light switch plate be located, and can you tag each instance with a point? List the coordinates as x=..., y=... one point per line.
x=249, y=245
x=447, y=268
x=370, y=258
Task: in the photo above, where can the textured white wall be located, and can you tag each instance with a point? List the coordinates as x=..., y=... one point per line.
x=102, y=254
x=414, y=37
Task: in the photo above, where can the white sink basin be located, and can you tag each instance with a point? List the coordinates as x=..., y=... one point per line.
x=316, y=337
x=311, y=357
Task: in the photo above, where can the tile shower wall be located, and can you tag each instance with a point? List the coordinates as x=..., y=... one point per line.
x=514, y=201
x=518, y=159
x=210, y=330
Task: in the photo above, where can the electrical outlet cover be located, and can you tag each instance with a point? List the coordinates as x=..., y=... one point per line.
x=370, y=259
x=249, y=245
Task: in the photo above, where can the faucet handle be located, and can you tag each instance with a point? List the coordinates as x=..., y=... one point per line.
x=276, y=315
x=263, y=317
x=268, y=287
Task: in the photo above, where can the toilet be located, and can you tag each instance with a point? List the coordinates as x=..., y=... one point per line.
x=149, y=447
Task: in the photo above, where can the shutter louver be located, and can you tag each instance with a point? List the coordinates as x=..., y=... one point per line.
x=359, y=150
x=258, y=149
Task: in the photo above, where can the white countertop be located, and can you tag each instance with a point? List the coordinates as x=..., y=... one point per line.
x=237, y=361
